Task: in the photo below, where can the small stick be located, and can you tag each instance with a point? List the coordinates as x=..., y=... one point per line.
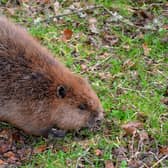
x=83, y=155
x=125, y=21
x=159, y=161
x=75, y=12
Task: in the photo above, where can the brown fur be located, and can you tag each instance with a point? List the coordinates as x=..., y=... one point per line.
x=29, y=77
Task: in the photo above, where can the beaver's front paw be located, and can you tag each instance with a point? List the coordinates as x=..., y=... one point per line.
x=56, y=133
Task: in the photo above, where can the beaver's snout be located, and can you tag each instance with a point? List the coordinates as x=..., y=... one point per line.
x=95, y=121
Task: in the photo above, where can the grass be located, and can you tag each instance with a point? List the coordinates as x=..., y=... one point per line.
x=128, y=83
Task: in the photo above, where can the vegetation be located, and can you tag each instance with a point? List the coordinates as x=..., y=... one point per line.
x=121, y=46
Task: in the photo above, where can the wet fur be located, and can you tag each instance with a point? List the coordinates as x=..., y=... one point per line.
x=29, y=77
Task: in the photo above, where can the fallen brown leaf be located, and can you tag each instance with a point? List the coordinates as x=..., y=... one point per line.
x=1, y=162
x=105, y=75
x=92, y=25
x=9, y=154
x=143, y=135
x=141, y=116
x=11, y=11
x=146, y=15
x=40, y=149
x=17, y=137
x=5, y=133
x=4, y=147
x=165, y=100
x=128, y=63
x=98, y=152
x=11, y=157
x=146, y=49
x=164, y=150
x=131, y=127
x=165, y=27
x=110, y=39
x=67, y=34
x=134, y=163
x=109, y=164
x=84, y=67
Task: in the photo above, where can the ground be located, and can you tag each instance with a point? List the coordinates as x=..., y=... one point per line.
x=122, y=48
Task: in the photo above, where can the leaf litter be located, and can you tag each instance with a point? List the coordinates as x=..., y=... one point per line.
x=140, y=149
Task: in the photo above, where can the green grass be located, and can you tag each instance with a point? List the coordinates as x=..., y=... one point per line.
x=136, y=84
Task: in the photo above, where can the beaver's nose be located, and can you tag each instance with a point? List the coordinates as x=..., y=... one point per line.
x=98, y=122
x=100, y=115
x=99, y=118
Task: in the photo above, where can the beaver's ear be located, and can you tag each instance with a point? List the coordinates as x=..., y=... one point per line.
x=61, y=91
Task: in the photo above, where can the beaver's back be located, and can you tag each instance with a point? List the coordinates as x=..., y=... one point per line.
x=26, y=77
x=25, y=66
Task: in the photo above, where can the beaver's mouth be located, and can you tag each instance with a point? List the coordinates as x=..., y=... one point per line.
x=92, y=126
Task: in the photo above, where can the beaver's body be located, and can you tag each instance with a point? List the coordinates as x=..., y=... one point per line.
x=36, y=91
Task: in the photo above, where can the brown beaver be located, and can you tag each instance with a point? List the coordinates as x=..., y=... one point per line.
x=37, y=92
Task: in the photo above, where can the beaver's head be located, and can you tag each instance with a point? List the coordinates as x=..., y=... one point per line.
x=77, y=105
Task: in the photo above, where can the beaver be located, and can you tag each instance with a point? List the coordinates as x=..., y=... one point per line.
x=39, y=93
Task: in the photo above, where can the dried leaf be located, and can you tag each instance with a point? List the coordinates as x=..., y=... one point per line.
x=4, y=148
x=11, y=157
x=98, y=152
x=130, y=130
x=128, y=63
x=134, y=163
x=165, y=100
x=146, y=15
x=105, y=75
x=67, y=34
x=143, y=135
x=5, y=133
x=11, y=11
x=141, y=116
x=165, y=27
x=146, y=49
x=83, y=66
x=17, y=137
x=110, y=39
x=126, y=47
x=9, y=154
x=40, y=149
x=109, y=164
x=164, y=150
x=131, y=127
x=2, y=162
x=92, y=20
x=92, y=25
x=56, y=7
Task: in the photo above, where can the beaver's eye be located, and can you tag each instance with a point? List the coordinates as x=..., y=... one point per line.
x=82, y=106
x=61, y=91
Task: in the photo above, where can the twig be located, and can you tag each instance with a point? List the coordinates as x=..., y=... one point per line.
x=136, y=91
x=126, y=21
x=79, y=158
x=100, y=63
x=74, y=12
x=132, y=145
x=156, y=4
x=144, y=165
x=159, y=161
